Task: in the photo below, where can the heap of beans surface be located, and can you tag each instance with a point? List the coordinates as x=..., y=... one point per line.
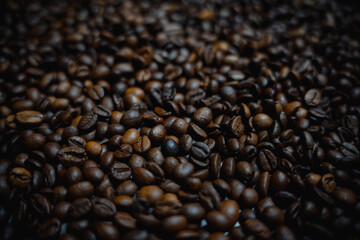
x=182, y=120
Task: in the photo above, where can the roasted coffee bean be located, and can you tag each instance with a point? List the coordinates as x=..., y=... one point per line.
x=200, y=150
x=76, y=141
x=79, y=208
x=262, y=121
x=88, y=121
x=125, y=220
x=81, y=189
x=49, y=229
x=103, y=207
x=245, y=170
x=258, y=228
x=143, y=176
x=106, y=230
x=185, y=143
x=20, y=177
x=40, y=204
x=124, y=151
x=29, y=117
x=170, y=147
x=152, y=194
x=72, y=156
x=142, y=145
x=120, y=171
x=312, y=97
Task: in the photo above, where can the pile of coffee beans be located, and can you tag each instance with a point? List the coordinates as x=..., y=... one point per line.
x=179, y=119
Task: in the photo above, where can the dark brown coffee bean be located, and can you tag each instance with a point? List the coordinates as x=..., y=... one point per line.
x=88, y=121
x=49, y=229
x=179, y=127
x=103, y=207
x=131, y=118
x=231, y=209
x=200, y=150
x=72, y=156
x=81, y=189
x=77, y=141
x=61, y=210
x=236, y=126
x=273, y=215
x=218, y=220
x=328, y=183
x=174, y=223
x=120, y=171
x=106, y=230
x=264, y=183
x=94, y=174
x=20, y=177
x=40, y=204
x=312, y=97
x=124, y=151
x=284, y=232
x=182, y=171
x=73, y=175
x=125, y=220
x=345, y=196
x=185, y=143
x=245, y=170
x=142, y=145
x=170, y=147
x=258, y=228
x=197, y=132
x=79, y=208
x=143, y=176
x=152, y=194
x=262, y=121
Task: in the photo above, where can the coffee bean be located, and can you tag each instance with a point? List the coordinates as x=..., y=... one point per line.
x=106, y=230
x=143, y=176
x=72, y=156
x=88, y=121
x=125, y=220
x=236, y=126
x=120, y=171
x=152, y=194
x=29, y=117
x=200, y=150
x=40, y=204
x=273, y=215
x=284, y=232
x=245, y=170
x=262, y=121
x=103, y=207
x=49, y=229
x=328, y=183
x=124, y=151
x=258, y=228
x=79, y=208
x=142, y=145
x=20, y=177
x=185, y=143
x=131, y=118
x=81, y=189
x=174, y=223
x=170, y=147
x=312, y=97
x=179, y=127
x=345, y=196
x=94, y=174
